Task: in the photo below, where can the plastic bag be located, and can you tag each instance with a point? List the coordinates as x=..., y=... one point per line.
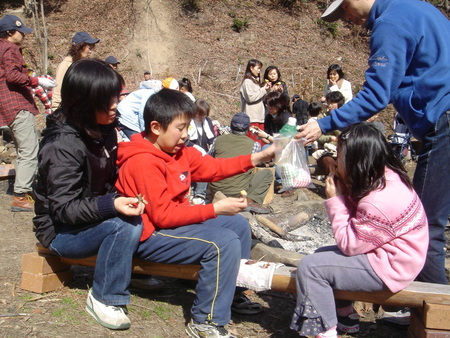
x=290, y=158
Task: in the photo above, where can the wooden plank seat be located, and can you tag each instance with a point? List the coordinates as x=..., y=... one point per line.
x=43, y=271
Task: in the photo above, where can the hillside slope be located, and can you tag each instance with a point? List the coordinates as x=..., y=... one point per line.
x=163, y=37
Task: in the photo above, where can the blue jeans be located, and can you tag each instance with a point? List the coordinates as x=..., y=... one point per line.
x=114, y=241
x=432, y=183
x=217, y=245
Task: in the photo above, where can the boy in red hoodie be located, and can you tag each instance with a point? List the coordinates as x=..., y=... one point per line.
x=157, y=165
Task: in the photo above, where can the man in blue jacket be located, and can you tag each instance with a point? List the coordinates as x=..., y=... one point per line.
x=409, y=65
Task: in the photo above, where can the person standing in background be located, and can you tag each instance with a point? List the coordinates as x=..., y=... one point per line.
x=17, y=107
x=82, y=47
x=252, y=96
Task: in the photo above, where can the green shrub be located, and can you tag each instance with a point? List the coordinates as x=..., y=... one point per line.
x=329, y=28
x=239, y=25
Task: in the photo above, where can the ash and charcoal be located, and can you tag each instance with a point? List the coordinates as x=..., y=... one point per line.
x=306, y=225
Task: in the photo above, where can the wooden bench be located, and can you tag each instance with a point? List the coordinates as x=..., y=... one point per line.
x=43, y=271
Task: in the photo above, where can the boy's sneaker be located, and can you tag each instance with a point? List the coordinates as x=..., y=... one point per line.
x=198, y=201
x=112, y=317
x=206, y=330
x=348, y=324
x=400, y=317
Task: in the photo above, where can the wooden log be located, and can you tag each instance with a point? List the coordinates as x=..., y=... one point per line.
x=415, y=295
x=7, y=171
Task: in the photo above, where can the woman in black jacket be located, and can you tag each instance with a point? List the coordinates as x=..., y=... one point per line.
x=78, y=212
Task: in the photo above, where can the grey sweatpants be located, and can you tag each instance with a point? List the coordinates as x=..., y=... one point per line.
x=23, y=129
x=317, y=275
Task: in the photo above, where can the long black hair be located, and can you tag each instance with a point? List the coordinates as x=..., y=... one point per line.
x=248, y=72
x=88, y=86
x=366, y=154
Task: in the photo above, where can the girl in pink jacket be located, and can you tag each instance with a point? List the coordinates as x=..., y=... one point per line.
x=380, y=229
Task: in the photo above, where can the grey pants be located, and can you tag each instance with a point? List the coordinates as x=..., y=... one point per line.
x=23, y=129
x=317, y=276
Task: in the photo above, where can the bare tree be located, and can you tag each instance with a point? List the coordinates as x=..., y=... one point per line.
x=36, y=7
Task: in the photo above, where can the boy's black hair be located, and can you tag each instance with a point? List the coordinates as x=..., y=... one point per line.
x=88, y=86
x=335, y=97
x=366, y=153
x=314, y=109
x=166, y=105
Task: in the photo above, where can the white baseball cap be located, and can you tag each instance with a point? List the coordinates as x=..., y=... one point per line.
x=334, y=12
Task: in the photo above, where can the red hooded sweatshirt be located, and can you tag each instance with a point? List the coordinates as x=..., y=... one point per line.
x=164, y=181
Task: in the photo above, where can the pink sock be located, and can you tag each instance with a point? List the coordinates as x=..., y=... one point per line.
x=345, y=311
x=331, y=333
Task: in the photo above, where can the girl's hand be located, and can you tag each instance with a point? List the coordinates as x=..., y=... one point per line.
x=267, y=86
x=129, y=206
x=230, y=206
x=333, y=186
x=332, y=83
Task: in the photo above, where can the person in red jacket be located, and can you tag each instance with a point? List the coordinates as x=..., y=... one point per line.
x=17, y=107
x=157, y=165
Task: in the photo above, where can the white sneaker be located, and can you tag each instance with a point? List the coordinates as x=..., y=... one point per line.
x=110, y=316
x=401, y=317
x=206, y=331
x=198, y=200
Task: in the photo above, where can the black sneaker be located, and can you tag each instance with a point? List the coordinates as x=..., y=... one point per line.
x=348, y=324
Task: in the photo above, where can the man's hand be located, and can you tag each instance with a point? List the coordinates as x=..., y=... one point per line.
x=309, y=131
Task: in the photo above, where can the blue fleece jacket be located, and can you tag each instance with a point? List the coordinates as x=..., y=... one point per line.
x=409, y=66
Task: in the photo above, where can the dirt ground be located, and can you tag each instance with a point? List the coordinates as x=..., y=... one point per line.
x=153, y=314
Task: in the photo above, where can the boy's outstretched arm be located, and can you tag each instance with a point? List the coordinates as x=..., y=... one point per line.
x=263, y=156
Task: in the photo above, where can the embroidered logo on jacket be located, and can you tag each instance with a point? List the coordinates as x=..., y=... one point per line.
x=183, y=177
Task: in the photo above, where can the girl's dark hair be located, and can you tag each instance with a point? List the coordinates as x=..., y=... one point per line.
x=366, y=153
x=338, y=69
x=335, y=97
x=88, y=86
x=75, y=51
x=277, y=99
x=166, y=105
x=185, y=83
x=268, y=69
x=248, y=73
x=314, y=109
x=202, y=108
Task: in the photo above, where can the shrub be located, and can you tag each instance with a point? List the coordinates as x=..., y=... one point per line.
x=239, y=25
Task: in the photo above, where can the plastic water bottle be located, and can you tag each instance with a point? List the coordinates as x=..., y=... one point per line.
x=290, y=128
